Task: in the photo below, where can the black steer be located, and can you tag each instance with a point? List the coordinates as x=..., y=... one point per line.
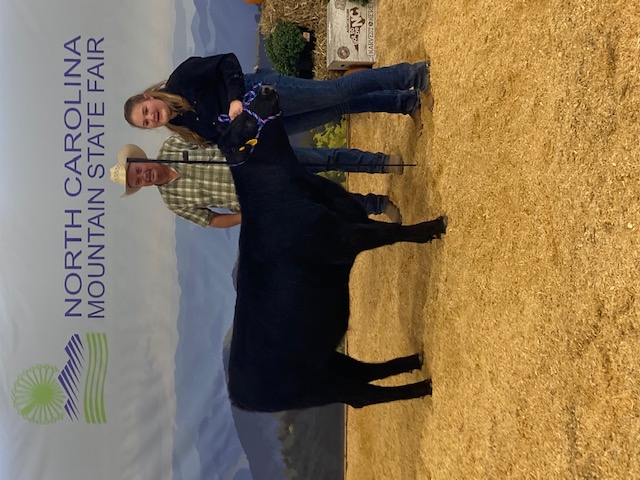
x=300, y=236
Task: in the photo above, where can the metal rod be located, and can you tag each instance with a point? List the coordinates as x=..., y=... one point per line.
x=216, y=162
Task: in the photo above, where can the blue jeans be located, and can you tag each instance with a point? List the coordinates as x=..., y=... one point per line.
x=347, y=160
x=372, y=203
x=341, y=159
x=307, y=104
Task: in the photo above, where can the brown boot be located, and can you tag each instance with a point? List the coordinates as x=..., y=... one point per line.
x=428, y=100
x=393, y=212
x=416, y=116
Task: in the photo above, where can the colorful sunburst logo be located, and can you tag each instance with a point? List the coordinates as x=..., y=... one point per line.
x=38, y=396
x=42, y=394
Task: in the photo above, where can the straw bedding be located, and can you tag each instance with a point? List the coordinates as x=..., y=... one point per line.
x=528, y=310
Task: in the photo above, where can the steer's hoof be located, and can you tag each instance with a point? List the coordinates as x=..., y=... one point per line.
x=444, y=221
x=425, y=388
x=429, y=386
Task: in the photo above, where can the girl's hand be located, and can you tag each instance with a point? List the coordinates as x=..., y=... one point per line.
x=235, y=109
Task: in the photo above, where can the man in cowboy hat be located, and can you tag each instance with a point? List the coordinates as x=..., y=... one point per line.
x=192, y=189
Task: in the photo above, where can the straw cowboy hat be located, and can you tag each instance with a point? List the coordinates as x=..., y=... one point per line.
x=118, y=172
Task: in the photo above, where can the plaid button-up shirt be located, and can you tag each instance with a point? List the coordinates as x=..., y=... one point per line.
x=200, y=186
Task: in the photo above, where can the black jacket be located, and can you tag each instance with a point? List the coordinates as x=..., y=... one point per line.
x=209, y=84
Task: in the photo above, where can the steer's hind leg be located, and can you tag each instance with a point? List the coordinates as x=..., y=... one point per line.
x=368, y=394
x=367, y=372
x=366, y=236
x=327, y=386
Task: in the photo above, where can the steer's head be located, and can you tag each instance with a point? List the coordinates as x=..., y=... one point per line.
x=237, y=140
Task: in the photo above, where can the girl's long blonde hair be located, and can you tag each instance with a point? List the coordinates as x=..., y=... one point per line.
x=176, y=103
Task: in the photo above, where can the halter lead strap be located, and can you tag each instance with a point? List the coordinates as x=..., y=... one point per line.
x=246, y=101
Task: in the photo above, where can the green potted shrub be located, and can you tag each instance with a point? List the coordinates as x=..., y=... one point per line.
x=332, y=135
x=289, y=51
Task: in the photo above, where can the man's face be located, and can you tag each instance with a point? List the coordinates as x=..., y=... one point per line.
x=144, y=174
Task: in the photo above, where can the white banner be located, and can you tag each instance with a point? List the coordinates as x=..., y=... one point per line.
x=112, y=312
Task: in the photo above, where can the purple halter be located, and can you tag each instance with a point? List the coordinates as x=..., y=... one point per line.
x=246, y=101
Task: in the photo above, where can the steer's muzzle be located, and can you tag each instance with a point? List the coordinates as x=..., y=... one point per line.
x=268, y=91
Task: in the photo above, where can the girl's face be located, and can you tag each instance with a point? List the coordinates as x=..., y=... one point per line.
x=151, y=113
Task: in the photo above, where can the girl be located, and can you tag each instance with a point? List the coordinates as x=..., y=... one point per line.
x=202, y=88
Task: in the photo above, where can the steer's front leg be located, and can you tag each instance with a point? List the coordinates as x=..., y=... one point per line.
x=366, y=236
x=427, y=231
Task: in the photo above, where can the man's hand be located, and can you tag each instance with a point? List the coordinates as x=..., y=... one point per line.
x=224, y=220
x=235, y=109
